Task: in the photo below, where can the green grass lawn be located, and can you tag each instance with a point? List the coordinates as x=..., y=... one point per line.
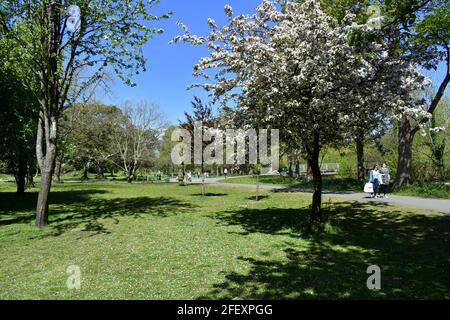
x=167, y=242
x=329, y=183
x=426, y=190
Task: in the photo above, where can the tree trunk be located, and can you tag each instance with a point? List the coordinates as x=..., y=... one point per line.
x=42, y=203
x=29, y=180
x=313, y=161
x=131, y=173
x=405, y=140
x=57, y=171
x=257, y=187
x=100, y=170
x=20, y=176
x=86, y=166
x=46, y=155
x=203, y=184
x=290, y=171
x=361, y=170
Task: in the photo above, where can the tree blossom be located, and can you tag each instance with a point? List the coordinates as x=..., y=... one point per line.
x=295, y=69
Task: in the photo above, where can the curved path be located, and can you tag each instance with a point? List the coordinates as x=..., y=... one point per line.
x=441, y=205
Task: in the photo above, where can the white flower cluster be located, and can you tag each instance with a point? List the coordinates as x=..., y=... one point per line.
x=295, y=70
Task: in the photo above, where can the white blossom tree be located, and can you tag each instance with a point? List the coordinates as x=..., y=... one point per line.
x=296, y=69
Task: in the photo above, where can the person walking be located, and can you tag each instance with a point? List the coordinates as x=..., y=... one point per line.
x=225, y=172
x=385, y=179
x=375, y=179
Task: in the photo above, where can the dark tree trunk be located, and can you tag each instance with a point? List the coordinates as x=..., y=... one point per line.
x=257, y=187
x=297, y=167
x=405, y=141
x=57, y=171
x=290, y=171
x=131, y=173
x=313, y=161
x=46, y=155
x=43, y=198
x=86, y=166
x=29, y=180
x=20, y=176
x=100, y=170
x=361, y=170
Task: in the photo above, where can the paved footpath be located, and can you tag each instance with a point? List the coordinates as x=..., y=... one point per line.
x=441, y=205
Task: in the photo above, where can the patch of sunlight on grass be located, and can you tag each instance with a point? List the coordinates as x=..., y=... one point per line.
x=309, y=291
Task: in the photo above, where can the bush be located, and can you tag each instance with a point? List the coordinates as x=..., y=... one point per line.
x=427, y=189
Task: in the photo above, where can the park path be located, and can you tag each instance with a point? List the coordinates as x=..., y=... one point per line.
x=441, y=205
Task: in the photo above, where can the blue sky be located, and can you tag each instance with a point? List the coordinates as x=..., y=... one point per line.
x=169, y=66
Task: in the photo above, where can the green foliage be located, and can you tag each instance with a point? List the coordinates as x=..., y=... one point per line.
x=347, y=163
x=257, y=169
x=430, y=148
x=18, y=118
x=339, y=8
x=110, y=38
x=165, y=163
x=433, y=31
x=426, y=190
x=86, y=131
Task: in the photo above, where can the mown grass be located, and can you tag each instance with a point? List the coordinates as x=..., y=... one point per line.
x=328, y=183
x=419, y=189
x=168, y=242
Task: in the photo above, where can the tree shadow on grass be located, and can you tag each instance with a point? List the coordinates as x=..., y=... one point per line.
x=260, y=197
x=76, y=209
x=270, y=220
x=209, y=194
x=21, y=208
x=411, y=249
x=91, y=213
